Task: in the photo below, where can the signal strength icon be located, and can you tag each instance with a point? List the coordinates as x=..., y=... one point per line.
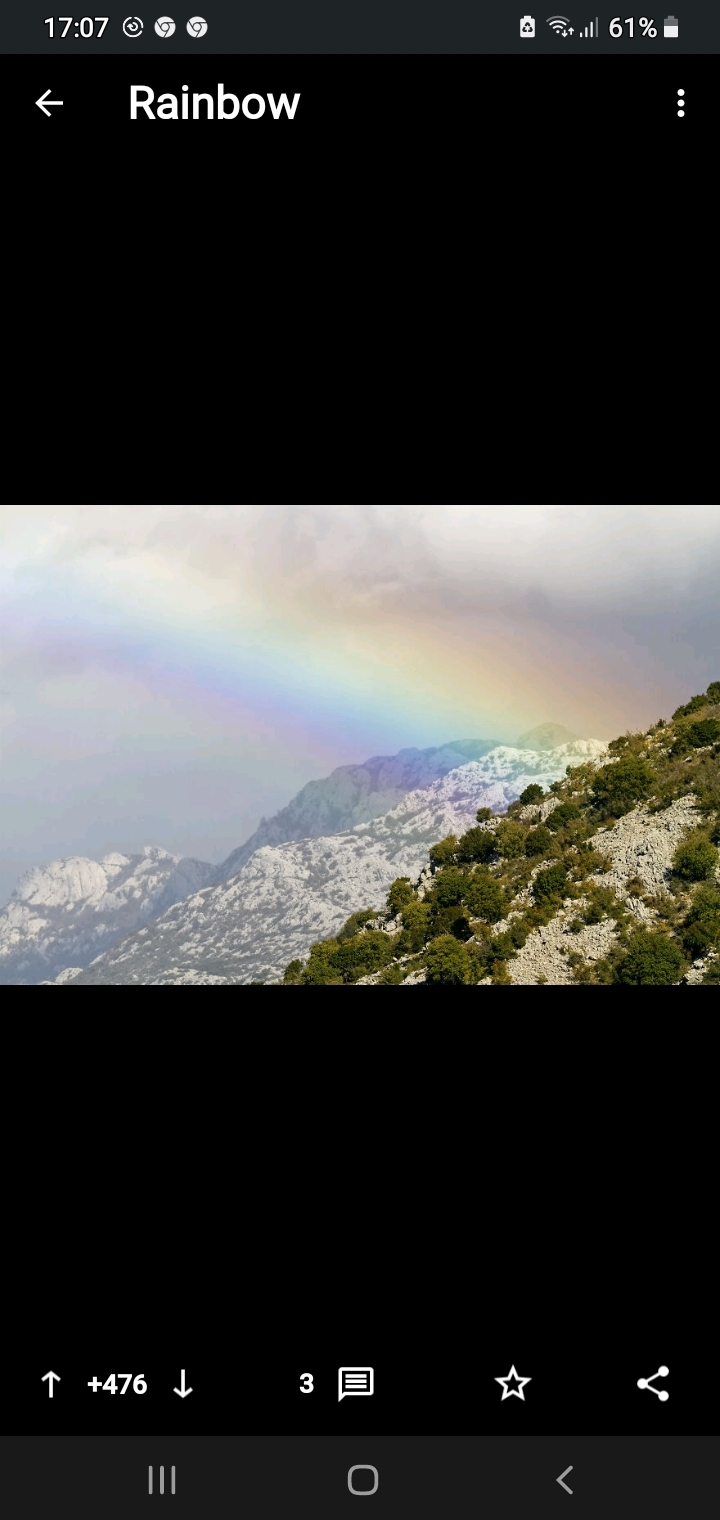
x=558, y=23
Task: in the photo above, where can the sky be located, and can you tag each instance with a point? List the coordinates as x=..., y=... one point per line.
x=169, y=675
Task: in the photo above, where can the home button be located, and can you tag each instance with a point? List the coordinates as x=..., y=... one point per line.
x=361, y=1486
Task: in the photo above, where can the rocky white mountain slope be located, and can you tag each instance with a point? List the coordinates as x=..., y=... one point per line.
x=287, y=896
x=64, y=914
x=61, y=916
x=640, y=846
x=354, y=794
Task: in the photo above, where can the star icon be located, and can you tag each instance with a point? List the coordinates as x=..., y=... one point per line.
x=513, y=1376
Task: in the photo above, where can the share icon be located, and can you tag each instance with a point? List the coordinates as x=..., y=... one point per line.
x=648, y=1383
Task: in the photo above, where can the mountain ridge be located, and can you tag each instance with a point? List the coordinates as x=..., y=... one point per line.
x=286, y=896
x=353, y=794
x=77, y=910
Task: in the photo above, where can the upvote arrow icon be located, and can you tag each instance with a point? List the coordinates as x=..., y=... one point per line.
x=50, y=1378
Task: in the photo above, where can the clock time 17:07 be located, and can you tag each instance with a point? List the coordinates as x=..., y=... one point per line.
x=84, y=27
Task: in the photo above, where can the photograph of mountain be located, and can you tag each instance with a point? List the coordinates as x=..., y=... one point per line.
x=187, y=696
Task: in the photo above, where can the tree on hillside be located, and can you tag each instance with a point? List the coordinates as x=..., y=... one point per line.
x=476, y=844
x=696, y=858
x=618, y=787
x=532, y=793
x=448, y=961
x=652, y=960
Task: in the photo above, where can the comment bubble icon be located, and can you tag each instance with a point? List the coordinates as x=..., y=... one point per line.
x=355, y=1382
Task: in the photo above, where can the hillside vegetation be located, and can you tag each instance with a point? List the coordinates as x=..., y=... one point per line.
x=609, y=877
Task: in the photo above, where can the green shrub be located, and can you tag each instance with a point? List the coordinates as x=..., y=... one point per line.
x=416, y=924
x=562, y=815
x=591, y=860
x=334, y=960
x=704, y=732
x=651, y=960
x=484, y=815
x=713, y=691
x=502, y=946
x=692, y=706
x=618, y=787
x=696, y=858
x=604, y=896
x=394, y=974
x=604, y=971
x=367, y=952
x=476, y=844
x=484, y=897
x=443, y=853
x=540, y=913
x=447, y=961
x=679, y=746
x=550, y=883
x=713, y=972
x=451, y=921
x=355, y=922
x=293, y=973
x=400, y=893
x=705, y=904
x=446, y=914
x=319, y=970
x=510, y=840
x=698, y=938
x=702, y=924
x=538, y=841
x=532, y=793
x=448, y=887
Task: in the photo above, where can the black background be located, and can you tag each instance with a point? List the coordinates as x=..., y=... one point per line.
x=363, y=303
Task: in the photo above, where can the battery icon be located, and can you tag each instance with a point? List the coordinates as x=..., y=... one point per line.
x=670, y=26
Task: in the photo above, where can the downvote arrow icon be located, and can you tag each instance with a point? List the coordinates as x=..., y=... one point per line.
x=182, y=1391
x=52, y=1377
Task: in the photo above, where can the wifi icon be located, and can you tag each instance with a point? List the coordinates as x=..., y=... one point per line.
x=558, y=23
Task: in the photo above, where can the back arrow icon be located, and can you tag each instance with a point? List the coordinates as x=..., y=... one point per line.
x=52, y=1376
x=182, y=1390
x=43, y=103
x=560, y=1480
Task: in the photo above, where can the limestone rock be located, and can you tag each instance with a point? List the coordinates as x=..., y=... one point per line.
x=62, y=915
